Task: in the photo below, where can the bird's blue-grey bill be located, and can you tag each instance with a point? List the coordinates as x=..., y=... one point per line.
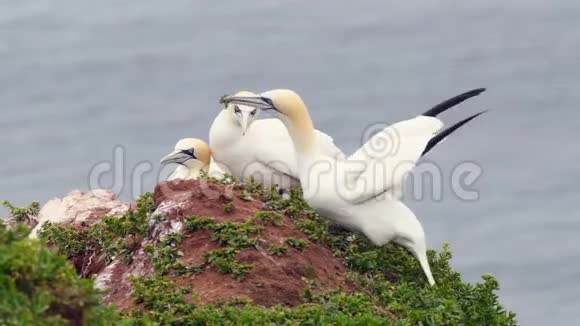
x=257, y=102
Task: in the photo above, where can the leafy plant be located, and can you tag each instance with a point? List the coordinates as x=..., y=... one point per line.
x=165, y=256
x=23, y=214
x=268, y=216
x=194, y=223
x=277, y=250
x=114, y=235
x=224, y=260
x=41, y=288
x=297, y=244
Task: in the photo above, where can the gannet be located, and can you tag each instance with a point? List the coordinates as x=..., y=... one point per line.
x=339, y=189
x=265, y=151
x=193, y=156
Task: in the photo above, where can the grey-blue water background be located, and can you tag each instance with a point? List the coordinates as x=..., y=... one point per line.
x=79, y=77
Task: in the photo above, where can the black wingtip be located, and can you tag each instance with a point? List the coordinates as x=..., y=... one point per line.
x=449, y=103
x=446, y=132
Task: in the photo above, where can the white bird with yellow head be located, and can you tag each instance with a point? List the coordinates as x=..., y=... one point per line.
x=259, y=148
x=363, y=191
x=192, y=155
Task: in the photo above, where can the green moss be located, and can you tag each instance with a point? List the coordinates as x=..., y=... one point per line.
x=277, y=250
x=297, y=244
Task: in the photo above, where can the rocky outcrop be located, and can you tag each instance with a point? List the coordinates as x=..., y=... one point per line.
x=267, y=258
x=80, y=208
x=229, y=244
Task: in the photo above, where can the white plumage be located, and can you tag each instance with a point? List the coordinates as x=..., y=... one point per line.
x=193, y=156
x=261, y=149
x=361, y=192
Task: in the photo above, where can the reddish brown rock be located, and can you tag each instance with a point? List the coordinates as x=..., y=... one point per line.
x=273, y=280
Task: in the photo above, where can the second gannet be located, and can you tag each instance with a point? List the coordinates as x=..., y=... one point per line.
x=193, y=156
x=346, y=191
x=263, y=151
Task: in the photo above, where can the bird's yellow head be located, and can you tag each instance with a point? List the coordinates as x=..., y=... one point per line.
x=285, y=101
x=290, y=106
x=191, y=152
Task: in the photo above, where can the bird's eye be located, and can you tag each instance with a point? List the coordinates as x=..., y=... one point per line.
x=188, y=152
x=269, y=101
x=237, y=109
x=253, y=112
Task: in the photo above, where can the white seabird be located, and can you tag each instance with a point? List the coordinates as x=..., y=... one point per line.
x=193, y=156
x=265, y=151
x=339, y=189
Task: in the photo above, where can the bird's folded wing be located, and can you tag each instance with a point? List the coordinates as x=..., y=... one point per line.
x=274, y=147
x=327, y=146
x=384, y=161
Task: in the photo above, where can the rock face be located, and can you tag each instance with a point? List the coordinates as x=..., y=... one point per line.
x=274, y=277
x=80, y=208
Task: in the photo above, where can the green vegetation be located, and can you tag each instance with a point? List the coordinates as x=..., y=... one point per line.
x=161, y=296
x=233, y=237
x=23, y=214
x=389, y=287
x=165, y=256
x=194, y=223
x=297, y=244
x=236, y=235
x=224, y=259
x=277, y=250
x=228, y=207
x=38, y=287
x=268, y=216
x=115, y=236
x=168, y=306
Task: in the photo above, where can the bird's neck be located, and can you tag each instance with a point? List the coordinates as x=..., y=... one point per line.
x=195, y=168
x=224, y=130
x=301, y=129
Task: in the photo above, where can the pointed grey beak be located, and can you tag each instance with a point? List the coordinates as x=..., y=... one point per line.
x=262, y=103
x=244, y=123
x=177, y=156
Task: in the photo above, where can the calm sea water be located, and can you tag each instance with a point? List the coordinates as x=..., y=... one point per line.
x=79, y=78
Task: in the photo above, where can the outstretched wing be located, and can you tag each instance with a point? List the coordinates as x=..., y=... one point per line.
x=384, y=161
